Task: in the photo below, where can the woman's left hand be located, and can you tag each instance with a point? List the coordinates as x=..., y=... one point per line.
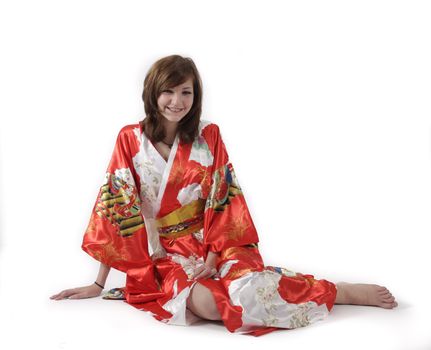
x=204, y=271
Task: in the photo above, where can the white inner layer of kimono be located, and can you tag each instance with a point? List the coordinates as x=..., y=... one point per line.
x=255, y=292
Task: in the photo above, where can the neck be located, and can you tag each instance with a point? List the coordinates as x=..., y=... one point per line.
x=171, y=130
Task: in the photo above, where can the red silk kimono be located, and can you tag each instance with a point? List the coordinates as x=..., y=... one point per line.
x=156, y=220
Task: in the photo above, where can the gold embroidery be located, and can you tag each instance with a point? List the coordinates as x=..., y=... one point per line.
x=119, y=202
x=109, y=254
x=204, y=178
x=177, y=172
x=91, y=228
x=238, y=225
x=236, y=273
x=233, y=252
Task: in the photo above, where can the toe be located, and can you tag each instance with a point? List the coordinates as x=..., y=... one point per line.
x=382, y=289
x=384, y=293
x=387, y=305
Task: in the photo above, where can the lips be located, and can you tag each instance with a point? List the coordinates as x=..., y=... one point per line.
x=175, y=110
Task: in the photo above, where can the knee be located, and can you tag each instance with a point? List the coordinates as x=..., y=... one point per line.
x=211, y=312
x=201, y=302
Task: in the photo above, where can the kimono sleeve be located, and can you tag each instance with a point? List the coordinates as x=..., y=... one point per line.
x=227, y=220
x=116, y=234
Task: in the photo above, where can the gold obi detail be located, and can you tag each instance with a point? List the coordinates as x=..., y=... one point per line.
x=183, y=221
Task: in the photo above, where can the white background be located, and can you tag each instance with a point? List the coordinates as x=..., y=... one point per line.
x=324, y=107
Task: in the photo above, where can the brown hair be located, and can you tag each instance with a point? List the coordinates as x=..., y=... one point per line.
x=167, y=73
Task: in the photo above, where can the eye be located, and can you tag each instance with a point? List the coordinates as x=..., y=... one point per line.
x=187, y=93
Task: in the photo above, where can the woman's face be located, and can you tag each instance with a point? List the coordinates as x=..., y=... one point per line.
x=176, y=102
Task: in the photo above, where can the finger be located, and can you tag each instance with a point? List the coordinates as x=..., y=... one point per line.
x=198, y=275
x=78, y=296
x=213, y=274
x=205, y=274
x=197, y=271
x=66, y=293
x=58, y=295
x=201, y=276
x=200, y=272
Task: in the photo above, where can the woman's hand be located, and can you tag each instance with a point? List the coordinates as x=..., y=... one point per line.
x=90, y=291
x=209, y=268
x=204, y=271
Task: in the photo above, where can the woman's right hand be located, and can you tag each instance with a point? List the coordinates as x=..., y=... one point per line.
x=90, y=291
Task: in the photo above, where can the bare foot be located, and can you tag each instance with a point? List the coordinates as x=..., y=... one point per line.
x=364, y=294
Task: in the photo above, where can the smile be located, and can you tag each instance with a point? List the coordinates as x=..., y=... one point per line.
x=175, y=110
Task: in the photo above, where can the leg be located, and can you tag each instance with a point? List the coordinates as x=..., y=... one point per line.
x=201, y=302
x=364, y=294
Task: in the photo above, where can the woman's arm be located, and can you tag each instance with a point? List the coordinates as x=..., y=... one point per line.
x=103, y=274
x=211, y=260
x=93, y=290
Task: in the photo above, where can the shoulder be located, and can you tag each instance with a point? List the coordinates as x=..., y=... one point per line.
x=212, y=135
x=130, y=134
x=207, y=128
x=129, y=129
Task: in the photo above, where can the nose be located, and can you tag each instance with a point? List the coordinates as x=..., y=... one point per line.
x=176, y=99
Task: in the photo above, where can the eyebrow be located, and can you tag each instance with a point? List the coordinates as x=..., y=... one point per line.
x=186, y=87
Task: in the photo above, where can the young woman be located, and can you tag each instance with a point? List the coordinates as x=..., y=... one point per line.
x=172, y=216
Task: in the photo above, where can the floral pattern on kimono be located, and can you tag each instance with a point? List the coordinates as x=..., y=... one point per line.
x=157, y=220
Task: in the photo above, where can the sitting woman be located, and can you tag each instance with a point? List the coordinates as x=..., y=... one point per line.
x=172, y=216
